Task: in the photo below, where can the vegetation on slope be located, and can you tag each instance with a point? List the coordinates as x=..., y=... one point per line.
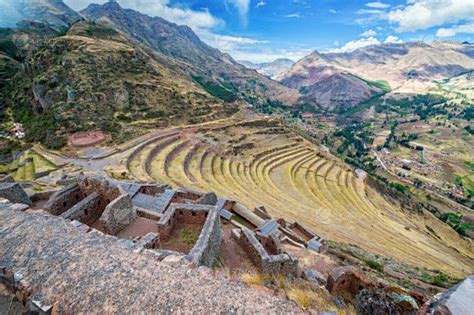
x=93, y=78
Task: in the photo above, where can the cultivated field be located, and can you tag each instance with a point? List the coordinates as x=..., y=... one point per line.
x=259, y=162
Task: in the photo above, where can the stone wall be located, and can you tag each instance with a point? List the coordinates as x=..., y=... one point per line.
x=149, y=241
x=301, y=230
x=206, y=250
x=64, y=199
x=283, y=263
x=118, y=214
x=105, y=189
x=85, y=211
x=185, y=213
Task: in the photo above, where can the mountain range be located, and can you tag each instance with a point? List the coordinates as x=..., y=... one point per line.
x=129, y=66
x=345, y=79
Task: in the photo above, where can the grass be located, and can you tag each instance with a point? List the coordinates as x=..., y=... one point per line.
x=188, y=236
x=309, y=298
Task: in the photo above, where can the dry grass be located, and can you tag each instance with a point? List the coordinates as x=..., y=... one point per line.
x=310, y=298
x=254, y=278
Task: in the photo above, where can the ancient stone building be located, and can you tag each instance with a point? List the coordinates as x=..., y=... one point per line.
x=264, y=251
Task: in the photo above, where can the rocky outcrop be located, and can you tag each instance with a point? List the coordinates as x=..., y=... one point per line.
x=14, y=193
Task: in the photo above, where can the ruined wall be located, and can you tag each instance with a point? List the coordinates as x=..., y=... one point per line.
x=153, y=190
x=284, y=263
x=182, y=213
x=206, y=250
x=252, y=247
x=118, y=214
x=270, y=243
x=64, y=199
x=302, y=231
x=189, y=194
x=106, y=190
x=85, y=211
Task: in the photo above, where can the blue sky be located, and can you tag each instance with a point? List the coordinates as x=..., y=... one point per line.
x=262, y=30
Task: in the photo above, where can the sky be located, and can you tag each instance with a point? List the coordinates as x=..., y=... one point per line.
x=263, y=30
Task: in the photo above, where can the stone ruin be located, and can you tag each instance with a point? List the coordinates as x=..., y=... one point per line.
x=147, y=215
x=264, y=252
x=141, y=216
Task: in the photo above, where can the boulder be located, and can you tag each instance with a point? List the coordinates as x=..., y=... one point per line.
x=385, y=301
x=14, y=193
x=458, y=300
x=314, y=277
x=345, y=279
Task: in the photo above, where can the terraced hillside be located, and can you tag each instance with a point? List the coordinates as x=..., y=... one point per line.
x=27, y=166
x=260, y=162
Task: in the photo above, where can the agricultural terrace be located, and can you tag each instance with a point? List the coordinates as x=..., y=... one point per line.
x=260, y=162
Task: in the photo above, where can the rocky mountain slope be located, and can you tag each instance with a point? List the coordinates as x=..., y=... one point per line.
x=95, y=78
x=217, y=72
x=407, y=68
x=55, y=12
x=270, y=69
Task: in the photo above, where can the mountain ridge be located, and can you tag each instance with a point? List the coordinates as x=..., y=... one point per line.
x=193, y=55
x=408, y=68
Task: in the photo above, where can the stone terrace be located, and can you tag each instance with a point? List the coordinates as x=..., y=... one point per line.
x=93, y=273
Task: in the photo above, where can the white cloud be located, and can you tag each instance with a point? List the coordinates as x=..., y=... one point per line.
x=293, y=15
x=267, y=54
x=261, y=3
x=392, y=40
x=423, y=14
x=452, y=31
x=332, y=11
x=355, y=44
x=368, y=33
x=377, y=5
x=242, y=7
x=369, y=11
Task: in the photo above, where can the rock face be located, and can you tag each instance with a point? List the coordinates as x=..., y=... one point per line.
x=55, y=12
x=14, y=193
x=458, y=300
x=382, y=301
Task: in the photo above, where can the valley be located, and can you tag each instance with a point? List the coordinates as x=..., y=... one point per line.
x=342, y=181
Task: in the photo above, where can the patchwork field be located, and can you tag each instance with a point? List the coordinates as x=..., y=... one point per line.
x=260, y=162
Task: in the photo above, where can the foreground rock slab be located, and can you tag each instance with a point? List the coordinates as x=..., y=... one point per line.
x=458, y=300
x=91, y=272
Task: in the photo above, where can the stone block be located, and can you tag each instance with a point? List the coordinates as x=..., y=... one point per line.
x=14, y=193
x=118, y=214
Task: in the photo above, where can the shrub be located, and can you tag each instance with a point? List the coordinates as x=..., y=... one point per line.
x=374, y=265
